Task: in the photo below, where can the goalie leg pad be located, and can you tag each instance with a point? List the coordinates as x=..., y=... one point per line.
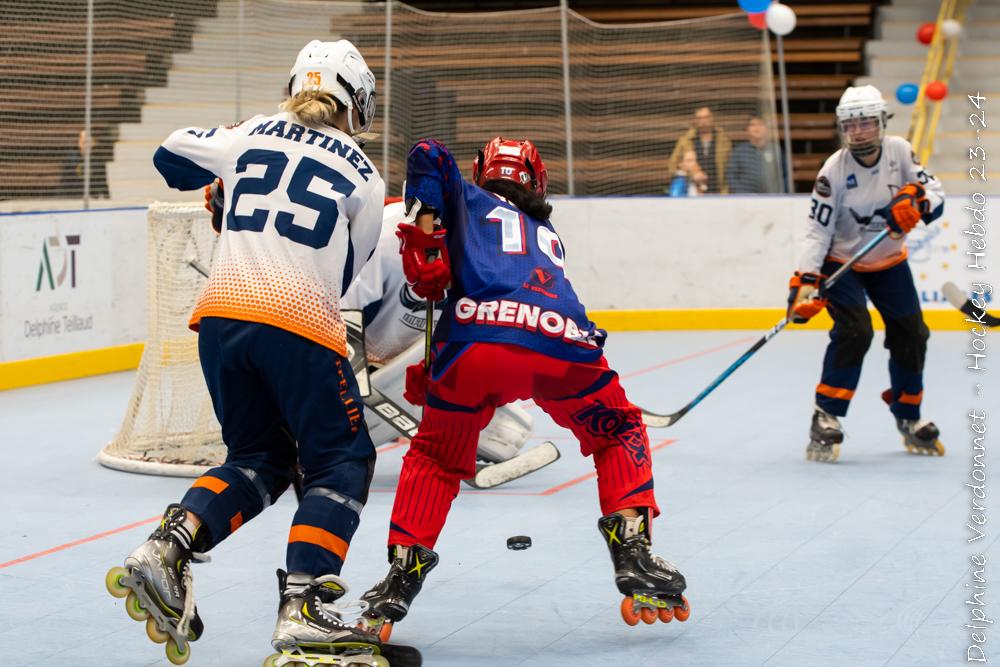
x=505, y=435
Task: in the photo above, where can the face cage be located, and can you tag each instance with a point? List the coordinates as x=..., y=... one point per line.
x=868, y=146
x=364, y=105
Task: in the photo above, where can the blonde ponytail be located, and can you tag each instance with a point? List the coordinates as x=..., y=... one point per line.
x=314, y=108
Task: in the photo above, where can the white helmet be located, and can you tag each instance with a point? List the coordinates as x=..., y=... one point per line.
x=860, y=102
x=339, y=69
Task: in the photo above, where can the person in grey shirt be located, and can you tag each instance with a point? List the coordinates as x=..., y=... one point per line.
x=756, y=165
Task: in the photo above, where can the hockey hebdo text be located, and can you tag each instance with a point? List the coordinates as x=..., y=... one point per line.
x=977, y=621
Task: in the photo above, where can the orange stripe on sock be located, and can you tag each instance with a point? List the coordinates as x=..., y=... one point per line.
x=835, y=392
x=236, y=522
x=213, y=484
x=911, y=399
x=319, y=537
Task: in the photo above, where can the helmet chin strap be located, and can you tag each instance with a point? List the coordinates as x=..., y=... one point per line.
x=866, y=150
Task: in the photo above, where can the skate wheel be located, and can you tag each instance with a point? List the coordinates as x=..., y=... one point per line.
x=666, y=614
x=938, y=448
x=647, y=615
x=271, y=660
x=134, y=608
x=113, y=582
x=629, y=614
x=175, y=654
x=154, y=633
x=683, y=613
x=380, y=661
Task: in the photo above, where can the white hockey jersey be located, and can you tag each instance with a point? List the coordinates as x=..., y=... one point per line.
x=849, y=204
x=302, y=215
x=394, y=316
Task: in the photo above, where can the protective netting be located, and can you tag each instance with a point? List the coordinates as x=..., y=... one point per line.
x=159, y=66
x=169, y=426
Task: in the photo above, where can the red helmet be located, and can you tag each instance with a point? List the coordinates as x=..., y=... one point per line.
x=511, y=160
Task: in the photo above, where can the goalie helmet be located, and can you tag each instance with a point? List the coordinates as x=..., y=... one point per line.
x=862, y=116
x=511, y=160
x=339, y=69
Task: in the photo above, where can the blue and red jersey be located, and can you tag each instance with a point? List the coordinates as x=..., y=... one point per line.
x=508, y=283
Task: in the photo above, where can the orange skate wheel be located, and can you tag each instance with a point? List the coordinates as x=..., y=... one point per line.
x=666, y=614
x=683, y=613
x=647, y=615
x=629, y=615
x=385, y=632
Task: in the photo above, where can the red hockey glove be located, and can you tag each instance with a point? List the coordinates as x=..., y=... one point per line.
x=427, y=277
x=416, y=384
x=215, y=202
x=803, y=297
x=906, y=209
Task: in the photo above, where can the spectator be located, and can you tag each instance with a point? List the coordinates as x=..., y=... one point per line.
x=711, y=147
x=71, y=182
x=689, y=179
x=757, y=165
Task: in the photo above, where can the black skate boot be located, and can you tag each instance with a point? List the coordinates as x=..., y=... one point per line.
x=157, y=586
x=919, y=435
x=313, y=628
x=652, y=587
x=390, y=599
x=825, y=436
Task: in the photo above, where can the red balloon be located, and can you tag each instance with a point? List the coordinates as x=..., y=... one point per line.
x=758, y=20
x=925, y=33
x=936, y=91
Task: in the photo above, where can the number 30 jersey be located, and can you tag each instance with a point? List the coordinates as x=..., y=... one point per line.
x=850, y=202
x=508, y=283
x=303, y=211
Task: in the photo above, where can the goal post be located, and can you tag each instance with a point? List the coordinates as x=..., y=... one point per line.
x=169, y=427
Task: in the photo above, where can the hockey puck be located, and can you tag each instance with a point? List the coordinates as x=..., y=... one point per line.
x=518, y=542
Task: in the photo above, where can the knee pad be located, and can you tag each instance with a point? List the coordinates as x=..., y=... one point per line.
x=273, y=472
x=853, y=336
x=505, y=435
x=907, y=339
x=349, y=478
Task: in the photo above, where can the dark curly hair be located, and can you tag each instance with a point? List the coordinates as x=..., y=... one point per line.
x=528, y=201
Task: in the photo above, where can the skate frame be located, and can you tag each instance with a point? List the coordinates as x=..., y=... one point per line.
x=654, y=420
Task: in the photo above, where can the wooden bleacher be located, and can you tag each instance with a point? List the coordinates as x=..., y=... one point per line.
x=823, y=56
x=42, y=101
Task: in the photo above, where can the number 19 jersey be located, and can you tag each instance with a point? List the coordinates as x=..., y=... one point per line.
x=303, y=211
x=508, y=282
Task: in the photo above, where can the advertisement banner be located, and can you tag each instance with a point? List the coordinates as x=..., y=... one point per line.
x=57, y=276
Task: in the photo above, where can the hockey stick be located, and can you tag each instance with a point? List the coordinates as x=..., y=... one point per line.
x=958, y=298
x=492, y=475
x=654, y=420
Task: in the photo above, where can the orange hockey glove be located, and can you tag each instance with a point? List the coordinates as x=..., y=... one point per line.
x=906, y=209
x=803, y=297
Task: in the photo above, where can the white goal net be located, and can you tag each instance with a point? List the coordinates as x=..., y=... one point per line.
x=169, y=426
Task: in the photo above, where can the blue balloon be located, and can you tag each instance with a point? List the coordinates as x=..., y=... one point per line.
x=754, y=6
x=907, y=93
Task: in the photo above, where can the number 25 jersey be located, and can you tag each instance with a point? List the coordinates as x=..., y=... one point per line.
x=303, y=211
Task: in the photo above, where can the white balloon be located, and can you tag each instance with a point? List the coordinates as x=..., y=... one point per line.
x=951, y=28
x=780, y=18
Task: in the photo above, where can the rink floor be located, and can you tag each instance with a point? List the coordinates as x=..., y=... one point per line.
x=864, y=562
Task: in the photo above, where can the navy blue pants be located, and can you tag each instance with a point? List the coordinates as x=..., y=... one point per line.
x=894, y=295
x=272, y=389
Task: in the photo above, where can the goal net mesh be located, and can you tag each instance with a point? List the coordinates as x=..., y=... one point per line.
x=157, y=66
x=169, y=427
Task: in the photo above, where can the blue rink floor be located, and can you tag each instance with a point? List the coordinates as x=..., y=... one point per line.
x=864, y=562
